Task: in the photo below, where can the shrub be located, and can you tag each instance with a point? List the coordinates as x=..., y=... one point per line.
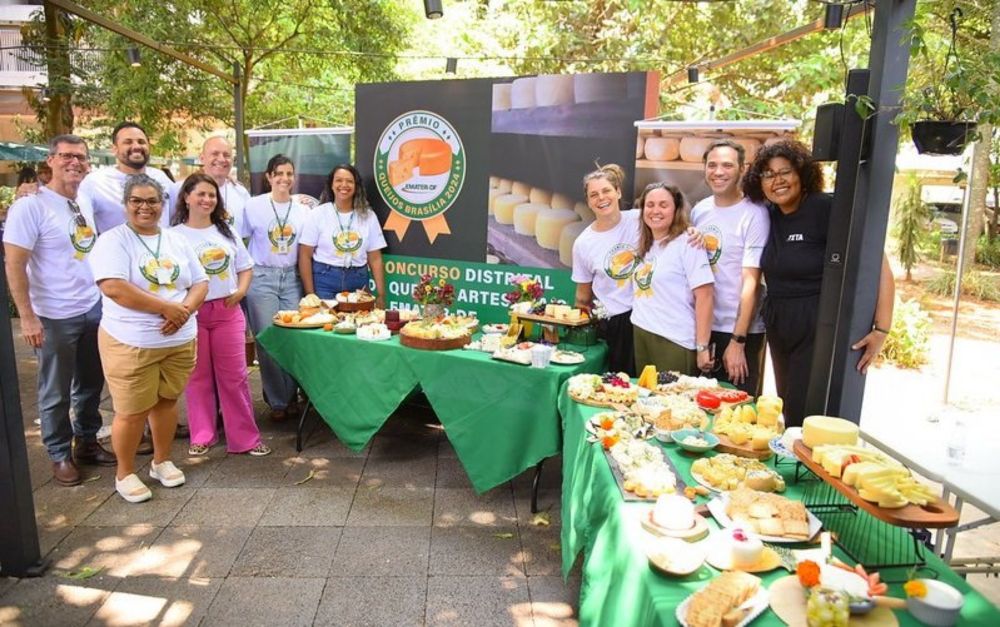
x=975, y=284
x=910, y=225
x=988, y=252
x=908, y=343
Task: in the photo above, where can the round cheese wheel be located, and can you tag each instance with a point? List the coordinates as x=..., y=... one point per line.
x=549, y=225
x=585, y=213
x=520, y=188
x=504, y=185
x=639, y=141
x=524, y=217
x=662, y=149
x=751, y=146
x=561, y=201
x=493, y=196
x=540, y=196
x=566, y=238
x=599, y=87
x=553, y=89
x=522, y=93
x=501, y=96
x=818, y=430
x=692, y=148
x=503, y=207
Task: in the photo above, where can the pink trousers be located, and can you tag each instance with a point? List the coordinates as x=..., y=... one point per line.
x=222, y=368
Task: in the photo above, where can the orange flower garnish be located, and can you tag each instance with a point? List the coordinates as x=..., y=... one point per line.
x=914, y=588
x=808, y=573
x=607, y=423
x=609, y=441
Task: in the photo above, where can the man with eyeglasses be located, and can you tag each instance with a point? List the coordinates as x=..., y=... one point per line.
x=217, y=162
x=734, y=231
x=104, y=187
x=47, y=240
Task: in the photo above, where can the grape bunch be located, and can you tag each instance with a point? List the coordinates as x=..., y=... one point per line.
x=614, y=379
x=665, y=376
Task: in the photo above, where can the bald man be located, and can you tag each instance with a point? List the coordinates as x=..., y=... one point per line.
x=217, y=162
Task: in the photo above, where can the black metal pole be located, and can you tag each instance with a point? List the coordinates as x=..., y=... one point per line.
x=854, y=253
x=20, y=554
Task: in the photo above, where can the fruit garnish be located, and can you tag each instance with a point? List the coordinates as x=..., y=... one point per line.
x=608, y=441
x=739, y=535
x=914, y=588
x=707, y=400
x=808, y=573
x=607, y=423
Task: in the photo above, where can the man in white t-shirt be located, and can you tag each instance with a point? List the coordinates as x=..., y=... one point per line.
x=104, y=187
x=217, y=162
x=735, y=231
x=48, y=238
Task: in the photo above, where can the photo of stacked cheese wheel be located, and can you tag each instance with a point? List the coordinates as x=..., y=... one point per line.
x=528, y=222
x=672, y=152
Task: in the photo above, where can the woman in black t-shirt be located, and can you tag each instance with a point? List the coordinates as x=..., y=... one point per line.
x=786, y=176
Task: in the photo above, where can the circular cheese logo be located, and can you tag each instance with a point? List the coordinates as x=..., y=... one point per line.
x=419, y=165
x=149, y=266
x=305, y=199
x=620, y=262
x=347, y=241
x=643, y=275
x=275, y=232
x=213, y=258
x=82, y=237
x=713, y=243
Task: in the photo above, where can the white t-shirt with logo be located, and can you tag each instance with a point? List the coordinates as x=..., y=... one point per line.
x=234, y=199
x=734, y=239
x=121, y=253
x=105, y=188
x=60, y=283
x=342, y=239
x=221, y=257
x=664, y=283
x=606, y=261
x=274, y=230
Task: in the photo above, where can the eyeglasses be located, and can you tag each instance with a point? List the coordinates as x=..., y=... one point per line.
x=72, y=156
x=769, y=174
x=77, y=214
x=139, y=203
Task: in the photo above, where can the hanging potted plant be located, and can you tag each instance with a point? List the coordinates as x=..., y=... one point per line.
x=942, y=115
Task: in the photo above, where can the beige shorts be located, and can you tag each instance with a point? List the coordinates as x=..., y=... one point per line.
x=139, y=377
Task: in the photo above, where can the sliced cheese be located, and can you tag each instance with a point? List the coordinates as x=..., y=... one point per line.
x=522, y=93
x=432, y=156
x=400, y=172
x=818, y=430
x=540, y=196
x=561, y=201
x=503, y=207
x=553, y=90
x=501, y=96
x=662, y=149
x=693, y=148
x=566, y=238
x=599, y=87
x=549, y=225
x=521, y=189
x=648, y=378
x=586, y=213
x=504, y=185
x=524, y=217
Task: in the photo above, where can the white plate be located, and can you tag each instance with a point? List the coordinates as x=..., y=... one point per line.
x=756, y=604
x=782, y=446
x=567, y=358
x=717, y=507
x=498, y=328
x=377, y=338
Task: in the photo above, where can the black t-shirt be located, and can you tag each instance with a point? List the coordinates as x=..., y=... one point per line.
x=793, y=258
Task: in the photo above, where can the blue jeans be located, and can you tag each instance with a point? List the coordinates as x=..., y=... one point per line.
x=273, y=289
x=69, y=375
x=329, y=280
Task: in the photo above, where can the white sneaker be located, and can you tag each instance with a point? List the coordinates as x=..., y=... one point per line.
x=132, y=489
x=166, y=473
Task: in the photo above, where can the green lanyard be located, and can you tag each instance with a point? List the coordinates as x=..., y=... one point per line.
x=350, y=222
x=159, y=240
x=281, y=223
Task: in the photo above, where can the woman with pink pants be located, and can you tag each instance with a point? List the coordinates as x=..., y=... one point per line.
x=201, y=218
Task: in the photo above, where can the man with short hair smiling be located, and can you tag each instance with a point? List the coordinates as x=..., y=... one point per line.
x=217, y=162
x=104, y=187
x=47, y=240
x=735, y=231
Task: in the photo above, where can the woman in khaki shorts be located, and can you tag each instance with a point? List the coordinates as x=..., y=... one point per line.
x=152, y=284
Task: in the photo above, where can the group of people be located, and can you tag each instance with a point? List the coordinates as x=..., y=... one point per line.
x=697, y=290
x=123, y=277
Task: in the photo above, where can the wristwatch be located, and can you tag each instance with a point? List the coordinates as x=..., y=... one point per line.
x=739, y=339
x=701, y=348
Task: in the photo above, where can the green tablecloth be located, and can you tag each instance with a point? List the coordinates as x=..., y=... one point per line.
x=619, y=587
x=501, y=418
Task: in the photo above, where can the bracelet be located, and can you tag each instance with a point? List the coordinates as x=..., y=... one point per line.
x=875, y=327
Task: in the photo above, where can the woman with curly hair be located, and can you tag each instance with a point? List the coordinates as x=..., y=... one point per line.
x=789, y=181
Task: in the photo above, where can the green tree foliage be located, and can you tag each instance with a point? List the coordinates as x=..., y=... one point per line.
x=910, y=224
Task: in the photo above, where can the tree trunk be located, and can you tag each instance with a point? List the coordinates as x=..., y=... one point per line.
x=59, y=109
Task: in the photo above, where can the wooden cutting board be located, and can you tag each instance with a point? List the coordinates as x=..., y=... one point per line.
x=788, y=600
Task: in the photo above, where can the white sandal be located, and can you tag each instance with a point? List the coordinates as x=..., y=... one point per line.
x=166, y=473
x=132, y=489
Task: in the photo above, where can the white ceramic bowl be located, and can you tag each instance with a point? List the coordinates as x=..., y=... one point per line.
x=941, y=606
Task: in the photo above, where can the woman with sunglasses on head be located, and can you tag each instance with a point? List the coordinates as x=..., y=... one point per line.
x=790, y=181
x=342, y=241
x=220, y=377
x=152, y=285
x=273, y=222
x=672, y=310
x=604, y=256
